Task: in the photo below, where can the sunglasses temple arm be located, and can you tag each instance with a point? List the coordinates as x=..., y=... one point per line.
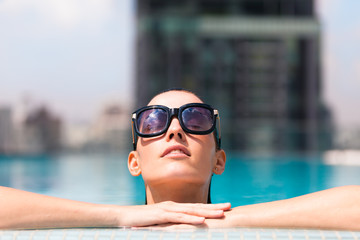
x=133, y=134
x=219, y=131
x=218, y=128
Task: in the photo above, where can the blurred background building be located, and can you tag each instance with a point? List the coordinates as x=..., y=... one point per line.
x=42, y=131
x=110, y=132
x=7, y=141
x=39, y=132
x=258, y=61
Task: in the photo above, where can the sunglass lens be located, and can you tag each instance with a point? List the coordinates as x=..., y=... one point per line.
x=197, y=119
x=152, y=121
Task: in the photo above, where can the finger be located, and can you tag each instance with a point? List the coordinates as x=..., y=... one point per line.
x=223, y=206
x=193, y=211
x=203, y=210
x=172, y=217
x=166, y=218
x=172, y=206
x=208, y=213
x=219, y=206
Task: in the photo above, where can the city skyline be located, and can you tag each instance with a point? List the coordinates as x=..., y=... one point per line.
x=78, y=56
x=40, y=131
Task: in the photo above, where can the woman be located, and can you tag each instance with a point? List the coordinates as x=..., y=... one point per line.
x=177, y=166
x=176, y=161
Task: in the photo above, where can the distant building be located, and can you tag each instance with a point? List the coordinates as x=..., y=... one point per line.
x=7, y=141
x=258, y=61
x=42, y=132
x=347, y=138
x=76, y=136
x=111, y=132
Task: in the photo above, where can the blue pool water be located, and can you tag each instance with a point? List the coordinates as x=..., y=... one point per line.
x=105, y=178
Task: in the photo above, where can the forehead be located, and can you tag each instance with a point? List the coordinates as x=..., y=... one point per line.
x=174, y=99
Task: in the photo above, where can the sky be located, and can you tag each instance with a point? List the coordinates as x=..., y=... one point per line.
x=77, y=55
x=73, y=55
x=341, y=59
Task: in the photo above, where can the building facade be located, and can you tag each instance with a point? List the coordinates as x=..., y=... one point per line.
x=258, y=61
x=7, y=140
x=42, y=132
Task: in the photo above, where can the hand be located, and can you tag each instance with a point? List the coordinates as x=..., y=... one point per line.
x=227, y=220
x=170, y=212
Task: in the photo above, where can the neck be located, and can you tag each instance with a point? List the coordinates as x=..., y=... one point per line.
x=184, y=193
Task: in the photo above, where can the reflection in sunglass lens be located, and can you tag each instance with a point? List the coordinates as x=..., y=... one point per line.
x=197, y=118
x=152, y=121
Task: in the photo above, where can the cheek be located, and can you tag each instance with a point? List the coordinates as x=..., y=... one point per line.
x=208, y=143
x=146, y=156
x=206, y=150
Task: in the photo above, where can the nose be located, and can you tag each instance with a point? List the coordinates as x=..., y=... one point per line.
x=175, y=130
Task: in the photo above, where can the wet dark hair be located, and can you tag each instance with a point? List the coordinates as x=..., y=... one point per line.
x=175, y=89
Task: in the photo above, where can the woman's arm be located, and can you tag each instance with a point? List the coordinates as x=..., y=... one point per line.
x=24, y=210
x=336, y=208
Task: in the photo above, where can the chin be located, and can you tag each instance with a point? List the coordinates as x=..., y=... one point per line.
x=178, y=169
x=182, y=172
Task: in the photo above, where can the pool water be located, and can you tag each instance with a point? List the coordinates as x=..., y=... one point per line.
x=105, y=178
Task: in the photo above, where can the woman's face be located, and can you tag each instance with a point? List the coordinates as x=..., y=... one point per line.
x=176, y=155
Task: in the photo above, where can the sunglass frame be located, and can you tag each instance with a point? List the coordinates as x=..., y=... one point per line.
x=171, y=112
x=215, y=112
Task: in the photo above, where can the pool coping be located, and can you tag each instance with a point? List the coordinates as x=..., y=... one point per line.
x=216, y=233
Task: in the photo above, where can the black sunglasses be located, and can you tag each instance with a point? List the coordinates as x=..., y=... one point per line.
x=194, y=118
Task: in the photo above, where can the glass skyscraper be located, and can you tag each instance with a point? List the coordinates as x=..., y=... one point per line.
x=258, y=61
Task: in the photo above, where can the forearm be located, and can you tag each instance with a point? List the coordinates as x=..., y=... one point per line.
x=337, y=208
x=19, y=209
x=24, y=210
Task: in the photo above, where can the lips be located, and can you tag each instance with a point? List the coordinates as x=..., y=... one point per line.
x=176, y=151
